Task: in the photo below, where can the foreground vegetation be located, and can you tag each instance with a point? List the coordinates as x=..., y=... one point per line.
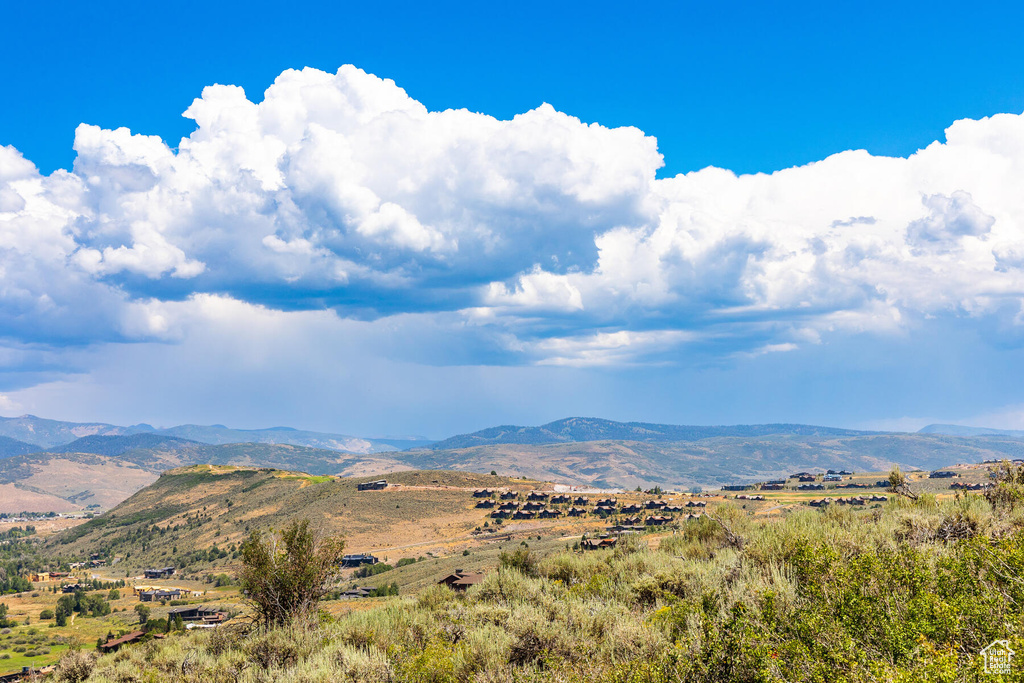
x=908, y=591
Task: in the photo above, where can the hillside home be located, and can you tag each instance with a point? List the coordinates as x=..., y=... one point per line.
x=207, y=615
x=115, y=644
x=351, y=561
x=461, y=580
x=943, y=474
x=604, y=510
x=810, y=487
x=549, y=513
x=483, y=493
x=576, y=512
x=655, y=504
x=523, y=514
x=486, y=503
x=657, y=520
x=159, y=595
x=533, y=505
x=509, y=495
x=597, y=543
x=832, y=477
x=502, y=513
x=163, y=573
x=631, y=509
x=372, y=485
x=735, y=487
x=581, y=500
x=696, y=504
x=560, y=499
x=73, y=587
x=607, y=502
x=537, y=495
x=632, y=521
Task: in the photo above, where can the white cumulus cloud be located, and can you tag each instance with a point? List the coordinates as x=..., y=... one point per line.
x=540, y=239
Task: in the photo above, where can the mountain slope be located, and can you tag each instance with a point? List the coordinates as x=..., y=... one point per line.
x=577, y=429
x=10, y=447
x=116, y=445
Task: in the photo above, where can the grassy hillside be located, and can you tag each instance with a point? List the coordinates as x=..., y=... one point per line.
x=196, y=508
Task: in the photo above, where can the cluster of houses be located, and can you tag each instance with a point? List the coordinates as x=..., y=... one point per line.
x=853, y=500
x=538, y=505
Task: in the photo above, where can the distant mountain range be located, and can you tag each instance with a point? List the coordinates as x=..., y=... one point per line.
x=577, y=429
x=960, y=430
x=46, y=434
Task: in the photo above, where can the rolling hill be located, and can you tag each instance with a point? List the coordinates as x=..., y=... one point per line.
x=195, y=508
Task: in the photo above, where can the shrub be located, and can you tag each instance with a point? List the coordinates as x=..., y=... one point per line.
x=46, y=614
x=74, y=666
x=285, y=578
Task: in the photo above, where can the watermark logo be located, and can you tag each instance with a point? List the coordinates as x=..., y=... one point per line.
x=998, y=657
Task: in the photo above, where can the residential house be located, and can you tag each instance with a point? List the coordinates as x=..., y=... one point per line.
x=372, y=485
x=461, y=580
x=351, y=561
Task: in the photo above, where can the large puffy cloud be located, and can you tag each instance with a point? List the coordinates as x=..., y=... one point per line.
x=536, y=240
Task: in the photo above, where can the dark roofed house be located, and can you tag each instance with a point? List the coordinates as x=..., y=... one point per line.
x=655, y=504
x=657, y=520
x=486, y=503
x=548, y=513
x=806, y=477
x=598, y=543
x=461, y=580
x=630, y=509
x=502, y=513
x=632, y=521
x=581, y=500
x=350, y=561
x=537, y=495
x=943, y=474
x=372, y=485
x=115, y=644
x=576, y=512
x=698, y=504
x=533, y=505
x=735, y=487
x=523, y=514
x=162, y=573
x=607, y=502
x=604, y=510
x=483, y=493
x=207, y=615
x=159, y=594
x=508, y=495
x=560, y=499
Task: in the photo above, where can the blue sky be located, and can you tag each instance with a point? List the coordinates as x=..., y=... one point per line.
x=351, y=256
